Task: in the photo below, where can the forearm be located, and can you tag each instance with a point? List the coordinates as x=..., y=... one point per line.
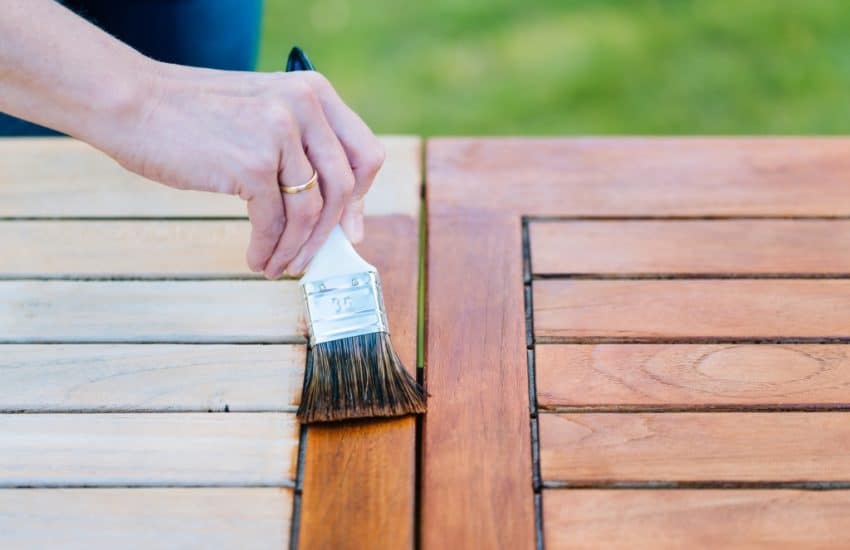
x=60, y=71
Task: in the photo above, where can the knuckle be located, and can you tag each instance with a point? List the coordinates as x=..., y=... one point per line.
x=302, y=92
x=282, y=121
x=308, y=215
x=339, y=194
x=259, y=166
x=373, y=158
x=269, y=231
x=317, y=80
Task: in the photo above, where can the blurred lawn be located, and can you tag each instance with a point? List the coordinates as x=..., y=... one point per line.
x=445, y=67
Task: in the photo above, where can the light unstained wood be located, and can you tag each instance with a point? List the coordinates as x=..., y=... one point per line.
x=477, y=473
x=151, y=311
x=695, y=447
x=62, y=177
x=691, y=247
x=696, y=519
x=683, y=309
x=643, y=176
x=140, y=248
x=359, y=477
x=145, y=518
x=147, y=449
x=681, y=376
x=150, y=377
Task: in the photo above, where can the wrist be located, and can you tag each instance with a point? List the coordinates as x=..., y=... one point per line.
x=118, y=108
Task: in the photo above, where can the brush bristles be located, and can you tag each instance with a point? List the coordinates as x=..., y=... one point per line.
x=357, y=377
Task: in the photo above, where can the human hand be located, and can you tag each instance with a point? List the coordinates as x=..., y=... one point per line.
x=245, y=134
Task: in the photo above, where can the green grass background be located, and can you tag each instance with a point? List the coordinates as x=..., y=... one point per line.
x=450, y=67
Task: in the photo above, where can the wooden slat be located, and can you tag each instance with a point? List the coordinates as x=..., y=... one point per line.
x=151, y=377
x=145, y=518
x=691, y=309
x=61, y=177
x=359, y=477
x=142, y=311
x=147, y=449
x=695, y=447
x=691, y=247
x=190, y=249
x=682, y=376
x=696, y=519
x=644, y=176
x=477, y=486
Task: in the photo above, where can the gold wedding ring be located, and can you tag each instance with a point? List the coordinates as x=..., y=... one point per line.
x=292, y=189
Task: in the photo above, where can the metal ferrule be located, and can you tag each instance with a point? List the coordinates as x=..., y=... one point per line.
x=344, y=306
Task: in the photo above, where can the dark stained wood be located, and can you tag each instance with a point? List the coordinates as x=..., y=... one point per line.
x=680, y=376
x=686, y=519
x=640, y=247
x=477, y=486
x=644, y=176
x=359, y=478
x=691, y=309
x=695, y=447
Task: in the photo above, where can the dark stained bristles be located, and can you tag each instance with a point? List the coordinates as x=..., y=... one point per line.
x=357, y=377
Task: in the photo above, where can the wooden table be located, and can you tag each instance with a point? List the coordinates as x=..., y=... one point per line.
x=633, y=343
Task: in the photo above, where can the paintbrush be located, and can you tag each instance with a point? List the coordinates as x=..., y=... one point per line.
x=353, y=371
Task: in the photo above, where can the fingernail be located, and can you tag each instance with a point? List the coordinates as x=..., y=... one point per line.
x=272, y=274
x=295, y=267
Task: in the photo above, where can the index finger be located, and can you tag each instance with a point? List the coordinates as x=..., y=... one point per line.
x=265, y=211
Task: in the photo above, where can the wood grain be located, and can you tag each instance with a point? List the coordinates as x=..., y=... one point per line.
x=151, y=311
x=359, y=477
x=54, y=450
x=61, y=177
x=145, y=518
x=475, y=184
x=141, y=248
x=682, y=376
x=695, y=447
x=696, y=519
x=691, y=247
x=643, y=176
x=691, y=309
x=477, y=486
x=150, y=377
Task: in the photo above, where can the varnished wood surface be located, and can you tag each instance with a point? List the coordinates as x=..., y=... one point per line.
x=151, y=311
x=633, y=176
x=691, y=309
x=686, y=519
x=686, y=247
x=692, y=376
x=150, y=377
x=709, y=210
x=359, y=478
x=694, y=447
x=60, y=178
x=149, y=519
x=477, y=485
x=147, y=449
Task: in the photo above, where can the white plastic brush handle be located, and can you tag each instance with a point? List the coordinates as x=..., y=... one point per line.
x=336, y=257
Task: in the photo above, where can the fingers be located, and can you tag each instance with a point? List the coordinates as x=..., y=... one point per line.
x=352, y=220
x=265, y=210
x=335, y=176
x=301, y=209
x=364, y=151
